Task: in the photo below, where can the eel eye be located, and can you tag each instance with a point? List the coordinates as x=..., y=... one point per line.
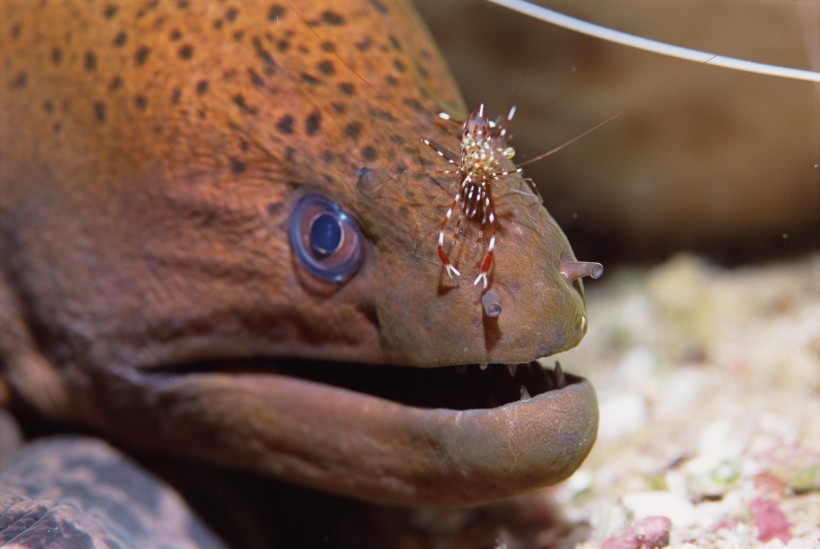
x=325, y=239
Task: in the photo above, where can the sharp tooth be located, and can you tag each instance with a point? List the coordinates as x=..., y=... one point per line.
x=525, y=394
x=560, y=379
x=483, y=366
x=461, y=369
x=511, y=368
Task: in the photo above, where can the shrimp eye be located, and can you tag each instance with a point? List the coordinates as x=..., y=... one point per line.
x=325, y=239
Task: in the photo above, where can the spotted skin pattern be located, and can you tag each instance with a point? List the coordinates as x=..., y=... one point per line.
x=99, y=498
x=151, y=153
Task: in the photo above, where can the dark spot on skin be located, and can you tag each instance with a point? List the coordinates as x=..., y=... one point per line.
x=202, y=87
x=176, y=96
x=90, y=61
x=275, y=13
x=404, y=211
x=20, y=80
x=256, y=80
x=308, y=79
x=313, y=123
x=239, y=101
x=57, y=128
x=56, y=55
x=391, y=80
x=353, y=130
x=120, y=39
x=394, y=42
x=186, y=51
x=347, y=88
x=275, y=207
x=369, y=153
x=380, y=7
x=141, y=102
x=339, y=107
x=203, y=114
x=328, y=47
x=218, y=24
x=326, y=67
x=176, y=35
x=99, y=111
x=290, y=154
x=116, y=83
x=414, y=104
x=110, y=12
x=332, y=18
x=364, y=45
x=422, y=71
x=243, y=145
x=265, y=56
x=148, y=8
x=382, y=115
x=400, y=66
x=237, y=166
x=15, y=31
x=327, y=157
x=183, y=4
x=283, y=45
x=231, y=14
x=142, y=55
x=285, y=124
x=48, y=106
x=239, y=35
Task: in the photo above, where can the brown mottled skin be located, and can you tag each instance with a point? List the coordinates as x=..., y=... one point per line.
x=151, y=157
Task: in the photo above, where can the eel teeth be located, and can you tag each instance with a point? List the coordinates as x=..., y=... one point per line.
x=558, y=375
x=512, y=368
x=483, y=366
x=525, y=394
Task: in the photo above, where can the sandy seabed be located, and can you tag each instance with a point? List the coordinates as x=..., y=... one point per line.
x=709, y=387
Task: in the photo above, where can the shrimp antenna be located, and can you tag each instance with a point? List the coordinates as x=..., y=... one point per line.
x=639, y=42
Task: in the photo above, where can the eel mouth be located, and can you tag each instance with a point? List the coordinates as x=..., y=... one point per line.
x=446, y=436
x=462, y=387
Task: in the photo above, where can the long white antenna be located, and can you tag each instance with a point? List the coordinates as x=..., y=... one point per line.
x=578, y=25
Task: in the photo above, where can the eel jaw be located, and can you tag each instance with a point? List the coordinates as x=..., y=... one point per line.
x=369, y=447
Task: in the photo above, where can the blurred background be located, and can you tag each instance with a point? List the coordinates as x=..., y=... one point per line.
x=718, y=162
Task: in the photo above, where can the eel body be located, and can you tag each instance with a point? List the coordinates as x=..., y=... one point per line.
x=156, y=156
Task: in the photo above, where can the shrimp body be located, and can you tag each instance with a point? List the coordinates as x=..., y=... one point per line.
x=480, y=165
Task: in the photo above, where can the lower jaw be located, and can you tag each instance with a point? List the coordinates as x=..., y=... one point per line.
x=441, y=437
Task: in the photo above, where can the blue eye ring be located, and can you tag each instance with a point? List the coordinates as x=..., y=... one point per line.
x=325, y=240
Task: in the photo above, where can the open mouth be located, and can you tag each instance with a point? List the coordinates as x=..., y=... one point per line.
x=445, y=436
x=462, y=387
x=465, y=387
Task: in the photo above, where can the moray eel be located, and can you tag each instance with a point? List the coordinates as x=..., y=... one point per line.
x=219, y=241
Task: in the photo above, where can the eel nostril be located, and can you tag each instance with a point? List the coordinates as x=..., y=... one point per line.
x=573, y=270
x=491, y=302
